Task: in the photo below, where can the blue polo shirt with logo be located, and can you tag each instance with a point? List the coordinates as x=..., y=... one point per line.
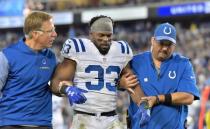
x=176, y=75
x=25, y=96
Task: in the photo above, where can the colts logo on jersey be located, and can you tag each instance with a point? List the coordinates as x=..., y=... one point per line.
x=44, y=61
x=44, y=64
x=172, y=74
x=74, y=42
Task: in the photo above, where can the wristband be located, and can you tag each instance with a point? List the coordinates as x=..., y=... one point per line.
x=168, y=99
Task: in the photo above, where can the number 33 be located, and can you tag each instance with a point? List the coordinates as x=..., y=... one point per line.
x=101, y=73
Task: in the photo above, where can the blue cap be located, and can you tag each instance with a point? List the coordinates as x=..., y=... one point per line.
x=165, y=31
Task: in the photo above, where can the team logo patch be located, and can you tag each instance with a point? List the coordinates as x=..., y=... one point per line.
x=172, y=74
x=44, y=61
x=167, y=30
x=44, y=64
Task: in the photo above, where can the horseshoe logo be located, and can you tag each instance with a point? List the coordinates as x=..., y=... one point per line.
x=44, y=61
x=167, y=30
x=172, y=74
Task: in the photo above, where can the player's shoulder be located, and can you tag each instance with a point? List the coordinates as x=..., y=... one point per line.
x=75, y=45
x=123, y=46
x=77, y=40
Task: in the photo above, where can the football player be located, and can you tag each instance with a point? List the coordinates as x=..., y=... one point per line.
x=94, y=67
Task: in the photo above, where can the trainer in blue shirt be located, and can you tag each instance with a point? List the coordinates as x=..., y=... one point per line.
x=26, y=67
x=25, y=70
x=167, y=79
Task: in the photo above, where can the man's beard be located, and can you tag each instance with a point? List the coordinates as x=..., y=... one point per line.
x=103, y=51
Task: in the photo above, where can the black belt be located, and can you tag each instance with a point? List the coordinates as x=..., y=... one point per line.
x=111, y=113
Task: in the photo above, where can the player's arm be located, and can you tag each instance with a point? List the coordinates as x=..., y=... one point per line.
x=61, y=83
x=63, y=74
x=130, y=82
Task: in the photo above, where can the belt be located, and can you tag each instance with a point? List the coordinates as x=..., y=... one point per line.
x=111, y=113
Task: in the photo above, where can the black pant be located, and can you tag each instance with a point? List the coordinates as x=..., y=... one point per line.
x=24, y=127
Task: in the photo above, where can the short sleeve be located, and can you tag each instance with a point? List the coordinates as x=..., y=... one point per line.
x=188, y=81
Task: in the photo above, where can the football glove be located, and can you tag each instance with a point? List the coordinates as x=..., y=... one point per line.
x=75, y=95
x=142, y=116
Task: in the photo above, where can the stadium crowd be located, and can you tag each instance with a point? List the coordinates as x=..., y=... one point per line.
x=61, y=5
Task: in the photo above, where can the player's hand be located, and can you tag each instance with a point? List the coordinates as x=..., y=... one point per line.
x=75, y=95
x=145, y=113
x=128, y=81
x=67, y=83
x=142, y=116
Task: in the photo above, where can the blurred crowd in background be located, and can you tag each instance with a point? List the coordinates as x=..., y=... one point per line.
x=193, y=41
x=61, y=5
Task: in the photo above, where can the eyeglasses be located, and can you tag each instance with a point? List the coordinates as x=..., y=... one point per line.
x=47, y=31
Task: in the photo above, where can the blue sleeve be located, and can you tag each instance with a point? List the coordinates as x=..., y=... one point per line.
x=188, y=81
x=4, y=69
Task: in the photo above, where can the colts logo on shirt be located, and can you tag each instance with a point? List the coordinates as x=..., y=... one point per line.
x=172, y=74
x=44, y=61
x=44, y=64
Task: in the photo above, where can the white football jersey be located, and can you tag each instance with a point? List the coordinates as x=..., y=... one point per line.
x=97, y=73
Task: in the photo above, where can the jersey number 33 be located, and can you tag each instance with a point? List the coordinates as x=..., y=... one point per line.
x=101, y=77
